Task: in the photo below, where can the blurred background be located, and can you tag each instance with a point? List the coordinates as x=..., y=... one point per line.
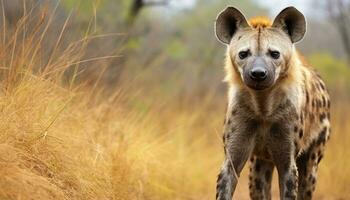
x=173, y=39
x=167, y=66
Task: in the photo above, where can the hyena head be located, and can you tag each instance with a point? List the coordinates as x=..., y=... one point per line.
x=260, y=50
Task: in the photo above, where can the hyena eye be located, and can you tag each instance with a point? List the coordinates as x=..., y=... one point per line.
x=243, y=54
x=275, y=54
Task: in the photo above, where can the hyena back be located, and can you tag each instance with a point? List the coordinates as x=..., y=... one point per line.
x=278, y=107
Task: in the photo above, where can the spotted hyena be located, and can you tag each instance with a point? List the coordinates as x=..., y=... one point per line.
x=278, y=106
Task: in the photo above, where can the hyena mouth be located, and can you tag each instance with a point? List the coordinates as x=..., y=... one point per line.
x=258, y=86
x=258, y=78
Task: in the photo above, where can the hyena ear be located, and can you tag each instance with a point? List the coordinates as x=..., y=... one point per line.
x=291, y=21
x=227, y=23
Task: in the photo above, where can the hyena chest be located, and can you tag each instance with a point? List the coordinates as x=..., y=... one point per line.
x=261, y=147
x=275, y=125
x=274, y=114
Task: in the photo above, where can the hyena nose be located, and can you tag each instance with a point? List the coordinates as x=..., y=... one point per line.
x=258, y=73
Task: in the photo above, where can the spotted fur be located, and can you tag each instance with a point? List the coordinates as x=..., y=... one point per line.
x=285, y=126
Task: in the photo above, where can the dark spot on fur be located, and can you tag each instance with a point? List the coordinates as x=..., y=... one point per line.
x=319, y=104
x=268, y=175
x=328, y=103
x=301, y=133
x=278, y=129
x=307, y=97
x=308, y=193
x=322, y=136
x=295, y=128
x=322, y=117
x=319, y=159
x=290, y=184
x=296, y=146
x=318, y=86
x=296, y=149
x=313, y=156
x=258, y=184
x=233, y=112
x=322, y=86
x=257, y=166
x=219, y=176
x=324, y=101
x=302, y=163
x=312, y=179
x=227, y=137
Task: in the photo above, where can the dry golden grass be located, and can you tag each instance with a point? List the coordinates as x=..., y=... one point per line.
x=61, y=141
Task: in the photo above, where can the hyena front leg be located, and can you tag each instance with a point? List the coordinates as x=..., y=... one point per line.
x=238, y=140
x=282, y=149
x=260, y=177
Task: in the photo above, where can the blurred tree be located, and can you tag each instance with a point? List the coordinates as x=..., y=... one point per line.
x=137, y=5
x=339, y=11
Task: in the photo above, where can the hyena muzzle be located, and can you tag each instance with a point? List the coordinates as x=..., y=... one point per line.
x=278, y=107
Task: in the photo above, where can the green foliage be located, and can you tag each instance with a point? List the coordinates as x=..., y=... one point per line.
x=85, y=7
x=334, y=70
x=176, y=49
x=106, y=11
x=133, y=43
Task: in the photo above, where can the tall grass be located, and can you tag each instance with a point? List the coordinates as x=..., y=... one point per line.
x=65, y=141
x=61, y=140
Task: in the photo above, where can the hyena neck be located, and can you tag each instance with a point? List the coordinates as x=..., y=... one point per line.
x=261, y=102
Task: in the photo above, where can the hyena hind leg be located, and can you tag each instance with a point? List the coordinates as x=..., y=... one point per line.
x=260, y=177
x=307, y=164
